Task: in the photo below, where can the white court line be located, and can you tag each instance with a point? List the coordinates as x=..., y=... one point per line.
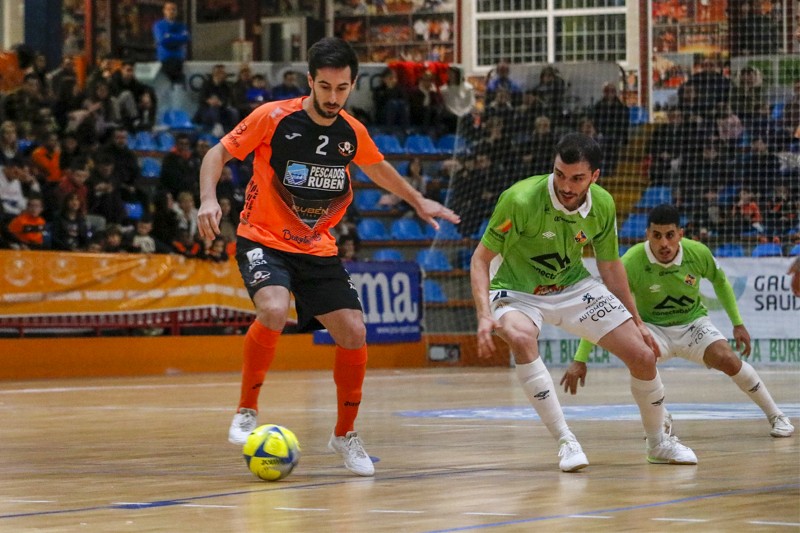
x=29, y=501
x=763, y=523
x=209, y=506
x=397, y=511
x=464, y=426
x=678, y=520
x=592, y=516
x=490, y=514
x=300, y=509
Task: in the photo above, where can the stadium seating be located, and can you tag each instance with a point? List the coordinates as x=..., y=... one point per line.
x=451, y=143
x=729, y=250
x=370, y=229
x=634, y=226
x=434, y=260
x=178, y=119
x=144, y=141
x=358, y=175
x=401, y=167
x=420, y=144
x=447, y=231
x=481, y=230
x=151, y=167
x=767, y=249
x=795, y=250
x=433, y=293
x=165, y=141
x=406, y=229
x=134, y=210
x=387, y=254
x=653, y=196
x=388, y=144
x=367, y=200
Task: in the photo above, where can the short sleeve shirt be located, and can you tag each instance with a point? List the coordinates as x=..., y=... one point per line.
x=301, y=183
x=540, y=242
x=669, y=295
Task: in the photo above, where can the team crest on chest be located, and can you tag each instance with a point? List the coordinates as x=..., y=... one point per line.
x=580, y=237
x=346, y=148
x=690, y=280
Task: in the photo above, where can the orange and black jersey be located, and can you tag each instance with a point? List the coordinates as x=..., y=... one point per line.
x=301, y=184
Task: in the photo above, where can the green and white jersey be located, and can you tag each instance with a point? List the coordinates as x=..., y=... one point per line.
x=669, y=294
x=540, y=243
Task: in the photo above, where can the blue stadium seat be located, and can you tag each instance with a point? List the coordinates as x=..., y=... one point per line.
x=358, y=175
x=447, y=231
x=165, y=141
x=406, y=229
x=451, y=143
x=134, y=210
x=634, y=226
x=367, y=200
x=434, y=260
x=212, y=140
x=638, y=115
x=729, y=250
x=420, y=144
x=433, y=293
x=370, y=229
x=767, y=249
x=144, y=140
x=178, y=119
x=464, y=258
x=388, y=144
x=653, y=196
x=795, y=250
x=401, y=167
x=387, y=254
x=777, y=111
x=151, y=167
x=481, y=230
x=623, y=248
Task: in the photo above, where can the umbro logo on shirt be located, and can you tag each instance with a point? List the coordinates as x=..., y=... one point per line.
x=548, y=234
x=293, y=136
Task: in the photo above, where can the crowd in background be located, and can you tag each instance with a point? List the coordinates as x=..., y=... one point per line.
x=70, y=178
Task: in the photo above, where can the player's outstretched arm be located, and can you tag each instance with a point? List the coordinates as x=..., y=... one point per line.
x=479, y=282
x=209, y=214
x=794, y=270
x=385, y=175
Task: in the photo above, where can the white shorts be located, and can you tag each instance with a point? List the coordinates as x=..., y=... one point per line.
x=587, y=309
x=688, y=341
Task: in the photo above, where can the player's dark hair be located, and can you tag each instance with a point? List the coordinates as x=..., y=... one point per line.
x=664, y=215
x=576, y=147
x=332, y=52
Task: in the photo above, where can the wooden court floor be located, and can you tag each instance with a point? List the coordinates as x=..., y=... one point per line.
x=457, y=450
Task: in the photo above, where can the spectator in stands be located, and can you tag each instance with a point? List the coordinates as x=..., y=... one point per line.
x=141, y=241
x=790, y=120
x=728, y=128
x=74, y=182
x=760, y=171
x=186, y=210
x=391, y=104
x=458, y=96
x=113, y=240
x=26, y=230
x=171, y=37
x=186, y=245
x=551, y=92
x=766, y=126
x=499, y=78
x=44, y=123
x=707, y=217
x=745, y=215
x=70, y=231
x=782, y=210
x=26, y=175
x=104, y=198
x=177, y=172
x=39, y=69
x=165, y=219
x=9, y=142
x=70, y=149
x=502, y=108
x=752, y=32
x=664, y=148
x=239, y=88
x=47, y=159
x=708, y=88
x=288, y=88
x=68, y=106
x=64, y=78
x=99, y=116
x=538, y=151
x=23, y=104
x=214, y=250
x=126, y=167
x=416, y=178
x=348, y=247
x=699, y=174
x=11, y=195
x=230, y=218
x=611, y=117
x=257, y=94
x=747, y=95
x=426, y=105
x=227, y=186
x=101, y=72
x=216, y=113
x=137, y=101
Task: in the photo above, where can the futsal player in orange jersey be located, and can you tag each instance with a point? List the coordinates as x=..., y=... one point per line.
x=299, y=190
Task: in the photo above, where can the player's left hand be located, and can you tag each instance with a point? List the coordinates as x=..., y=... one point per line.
x=575, y=373
x=742, y=339
x=428, y=210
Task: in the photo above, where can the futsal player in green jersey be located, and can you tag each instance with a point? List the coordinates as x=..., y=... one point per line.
x=664, y=274
x=528, y=270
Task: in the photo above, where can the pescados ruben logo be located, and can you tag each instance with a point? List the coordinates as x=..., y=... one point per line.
x=319, y=177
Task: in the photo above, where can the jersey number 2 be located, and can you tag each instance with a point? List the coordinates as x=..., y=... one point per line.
x=324, y=142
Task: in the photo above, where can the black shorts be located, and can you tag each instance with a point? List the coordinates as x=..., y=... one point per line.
x=319, y=284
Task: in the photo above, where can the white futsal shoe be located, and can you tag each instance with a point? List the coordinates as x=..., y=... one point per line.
x=244, y=422
x=352, y=451
x=572, y=456
x=781, y=427
x=670, y=451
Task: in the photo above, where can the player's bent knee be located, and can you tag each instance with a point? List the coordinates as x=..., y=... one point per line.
x=353, y=338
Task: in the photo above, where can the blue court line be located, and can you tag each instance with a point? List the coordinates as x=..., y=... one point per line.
x=620, y=509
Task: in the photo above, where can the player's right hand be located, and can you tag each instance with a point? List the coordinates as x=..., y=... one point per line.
x=208, y=217
x=486, y=347
x=575, y=373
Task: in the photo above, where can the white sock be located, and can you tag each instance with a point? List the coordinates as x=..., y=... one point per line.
x=748, y=380
x=649, y=396
x=539, y=388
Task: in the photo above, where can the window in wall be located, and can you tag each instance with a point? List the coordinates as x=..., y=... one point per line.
x=590, y=38
x=518, y=40
x=495, y=6
x=588, y=4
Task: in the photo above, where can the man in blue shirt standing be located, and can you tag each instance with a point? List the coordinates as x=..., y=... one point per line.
x=171, y=38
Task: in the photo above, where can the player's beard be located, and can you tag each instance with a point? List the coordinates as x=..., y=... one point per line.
x=324, y=112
